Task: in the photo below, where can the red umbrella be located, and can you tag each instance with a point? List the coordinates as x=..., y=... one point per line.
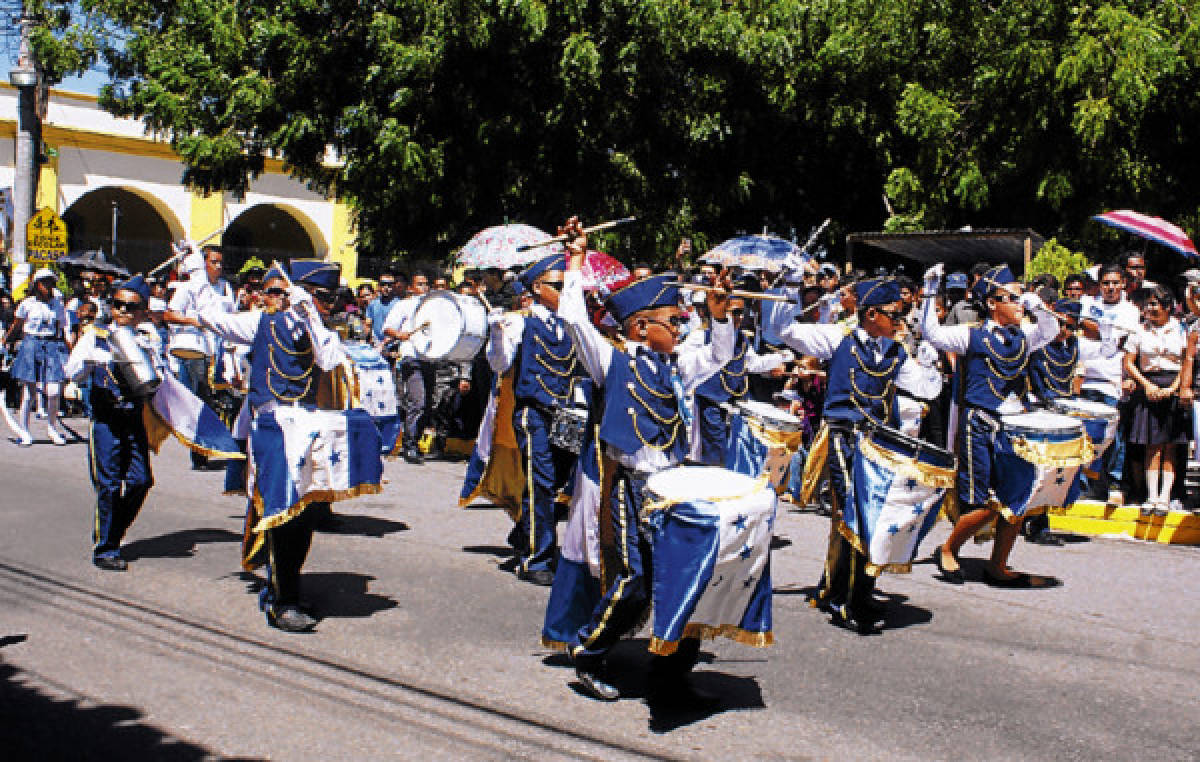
x=1154, y=228
x=600, y=271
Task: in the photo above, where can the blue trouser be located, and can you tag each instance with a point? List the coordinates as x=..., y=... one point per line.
x=119, y=463
x=547, y=470
x=1113, y=460
x=845, y=582
x=714, y=432
x=627, y=561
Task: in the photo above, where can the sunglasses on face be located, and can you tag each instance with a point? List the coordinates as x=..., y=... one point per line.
x=675, y=321
x=275, y=291
x=737, y=313
x=892, y=315
x=1005, y=298
x=386, y=283
x=118, y=304
x=324, y=295
x=556, y=284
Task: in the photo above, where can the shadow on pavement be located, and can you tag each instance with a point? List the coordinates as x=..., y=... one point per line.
x=367, y=526
x=38, y=726
x=342, y=595
x=179, y=544
x=489, y=550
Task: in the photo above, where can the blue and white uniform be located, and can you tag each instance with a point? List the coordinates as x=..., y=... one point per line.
x=43, y=351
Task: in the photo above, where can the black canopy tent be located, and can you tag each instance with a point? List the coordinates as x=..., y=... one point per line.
x=957, y=249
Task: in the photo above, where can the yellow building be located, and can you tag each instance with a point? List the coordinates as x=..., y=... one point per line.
x=99, y=167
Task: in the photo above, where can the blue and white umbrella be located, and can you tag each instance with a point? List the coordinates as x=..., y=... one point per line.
x=752, y=252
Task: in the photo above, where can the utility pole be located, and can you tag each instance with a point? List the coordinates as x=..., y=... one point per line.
x=24, y=77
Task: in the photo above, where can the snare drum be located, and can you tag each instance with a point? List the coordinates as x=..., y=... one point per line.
x=189, y=343
x=769, y=417
x=899, y=485
x=762, y=440
x=1099, y=420
x=448, y=326
x=1038, y=456
x=568, y=429
x=135, y=363
x=710, y=533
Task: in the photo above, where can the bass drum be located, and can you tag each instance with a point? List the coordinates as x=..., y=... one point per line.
x=449, y=326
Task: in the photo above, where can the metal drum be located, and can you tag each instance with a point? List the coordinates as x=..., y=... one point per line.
x=449, y=326
x=1038, y=456
x=769, y=417
x=134, y=361
x=188, y=343
x=1098, y=419
x=568, y=429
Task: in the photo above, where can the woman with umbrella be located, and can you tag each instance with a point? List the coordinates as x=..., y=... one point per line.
x=41, y=319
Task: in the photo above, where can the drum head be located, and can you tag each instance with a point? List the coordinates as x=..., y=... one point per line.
x=768, y=412
x=440, y=322
x=686, y=483
x=1041, y=421
x=1081, y=408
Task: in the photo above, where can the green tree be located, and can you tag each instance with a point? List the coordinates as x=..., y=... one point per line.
x=1058, y=260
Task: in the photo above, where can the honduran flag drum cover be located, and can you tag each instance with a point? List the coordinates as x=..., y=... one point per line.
x=376, y=391
x=300, y=455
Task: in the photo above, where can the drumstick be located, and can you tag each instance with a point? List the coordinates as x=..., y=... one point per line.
x=592, y=229
x=738, y=294
x=177, y=257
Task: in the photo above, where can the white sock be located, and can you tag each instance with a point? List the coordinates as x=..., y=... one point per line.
x=1152, y=493
x=26, y=408
x=52, y=412
x=1168, y=481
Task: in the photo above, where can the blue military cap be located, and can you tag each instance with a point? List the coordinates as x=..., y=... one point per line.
x=276, y=271
x=316, y=272
x=541, y=267
x=1070, y=307
x=957, y=280
x=645, y=294
x=873, y=292
x=137, y=284
x=995, y=277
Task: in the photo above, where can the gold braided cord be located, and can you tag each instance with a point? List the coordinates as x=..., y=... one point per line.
x=877, y=373
x=570, y=352
x=546, y=389
x=281, y=374
x=887, y=386
x=563, y=373
x=284, y=397
x=1059, y=379
x=988, y=361
x=642, y=439
x=637, y=374
x=654, y=415
x=278, y=343
x=1050, y=360
x=996, y=392
x=987, y=343
x=745, y=382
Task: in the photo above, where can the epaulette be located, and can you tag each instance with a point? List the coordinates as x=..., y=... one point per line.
x=101, y=333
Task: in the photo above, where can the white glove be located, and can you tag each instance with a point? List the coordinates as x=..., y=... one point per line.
x=100, y=356
x=496, y=318
x=1031, y=301
x=787, y=356
x=927, y=356
x=933, y=277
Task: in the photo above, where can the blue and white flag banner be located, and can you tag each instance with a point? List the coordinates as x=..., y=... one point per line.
x=192, y=422
x=377, y=391
x=1037, y=476
x=300, y=456
x=896, y=502
x=712, y=569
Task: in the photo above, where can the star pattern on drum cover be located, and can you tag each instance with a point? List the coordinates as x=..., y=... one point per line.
x=335, y=457
x=911, y=484
x=747, y=551
x=740, y=522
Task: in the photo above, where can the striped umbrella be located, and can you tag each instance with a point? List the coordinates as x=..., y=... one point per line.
x=1153, y=228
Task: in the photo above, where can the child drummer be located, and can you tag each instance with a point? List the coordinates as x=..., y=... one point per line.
x=866, y=366
x=643, y=430
x=995, y=367
x=118, y=450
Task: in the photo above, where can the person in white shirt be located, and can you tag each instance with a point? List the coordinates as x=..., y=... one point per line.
x=41, y=319
x=416, y=377
x=204, y=291
x=1104, y=374
x=1154, y=361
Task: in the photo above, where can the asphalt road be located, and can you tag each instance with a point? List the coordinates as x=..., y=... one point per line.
x=429, y=648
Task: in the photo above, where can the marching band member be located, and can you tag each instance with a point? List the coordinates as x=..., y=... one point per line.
x=118, y=448
x=866, y=365
x=642, y=430
x=709, y=436
x=546, y=376
x=205, y=290
x=995, y=368
x=42, y=320
x=289, y=343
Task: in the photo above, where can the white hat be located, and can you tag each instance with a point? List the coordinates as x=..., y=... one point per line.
x=44, y=272
x=157, y=305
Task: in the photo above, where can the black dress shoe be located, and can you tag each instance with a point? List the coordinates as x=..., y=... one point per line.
x=1045, y=537
x=953, y=577
x=543, y=577
x=596, y=687
x=290, y=619
x=413, y=455
x=110, y=564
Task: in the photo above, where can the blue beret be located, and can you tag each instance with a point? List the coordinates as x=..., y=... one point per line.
x=956, y=280
x=1070, y=307
x=872, y=292
x=540, y=267
x=645, y=294
x=997, y=276
x=316, y=272
x=138, y=285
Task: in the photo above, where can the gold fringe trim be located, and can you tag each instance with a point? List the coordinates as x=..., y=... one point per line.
x=1069, y=454
x=909, y=468
x=319, y=496
x=554, y=645
x=653, y=506
x=875, y=569
x=845, y=531
x=814, y=466
x=711, y=632
x=1011, y=517
x=773, y=438
x=157, y=428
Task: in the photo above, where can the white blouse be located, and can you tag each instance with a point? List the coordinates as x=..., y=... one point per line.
x=41, y=318
x=1159, y=348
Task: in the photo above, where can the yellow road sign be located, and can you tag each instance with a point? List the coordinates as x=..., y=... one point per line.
x=45, y=237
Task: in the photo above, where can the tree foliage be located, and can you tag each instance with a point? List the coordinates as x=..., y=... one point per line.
x=1057, y=260
x=703, y=117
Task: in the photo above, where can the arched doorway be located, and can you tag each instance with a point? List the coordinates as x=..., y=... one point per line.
x=269, y=232
x=145, y=227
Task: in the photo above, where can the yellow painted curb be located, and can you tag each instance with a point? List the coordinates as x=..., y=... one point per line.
x=1091, y=517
